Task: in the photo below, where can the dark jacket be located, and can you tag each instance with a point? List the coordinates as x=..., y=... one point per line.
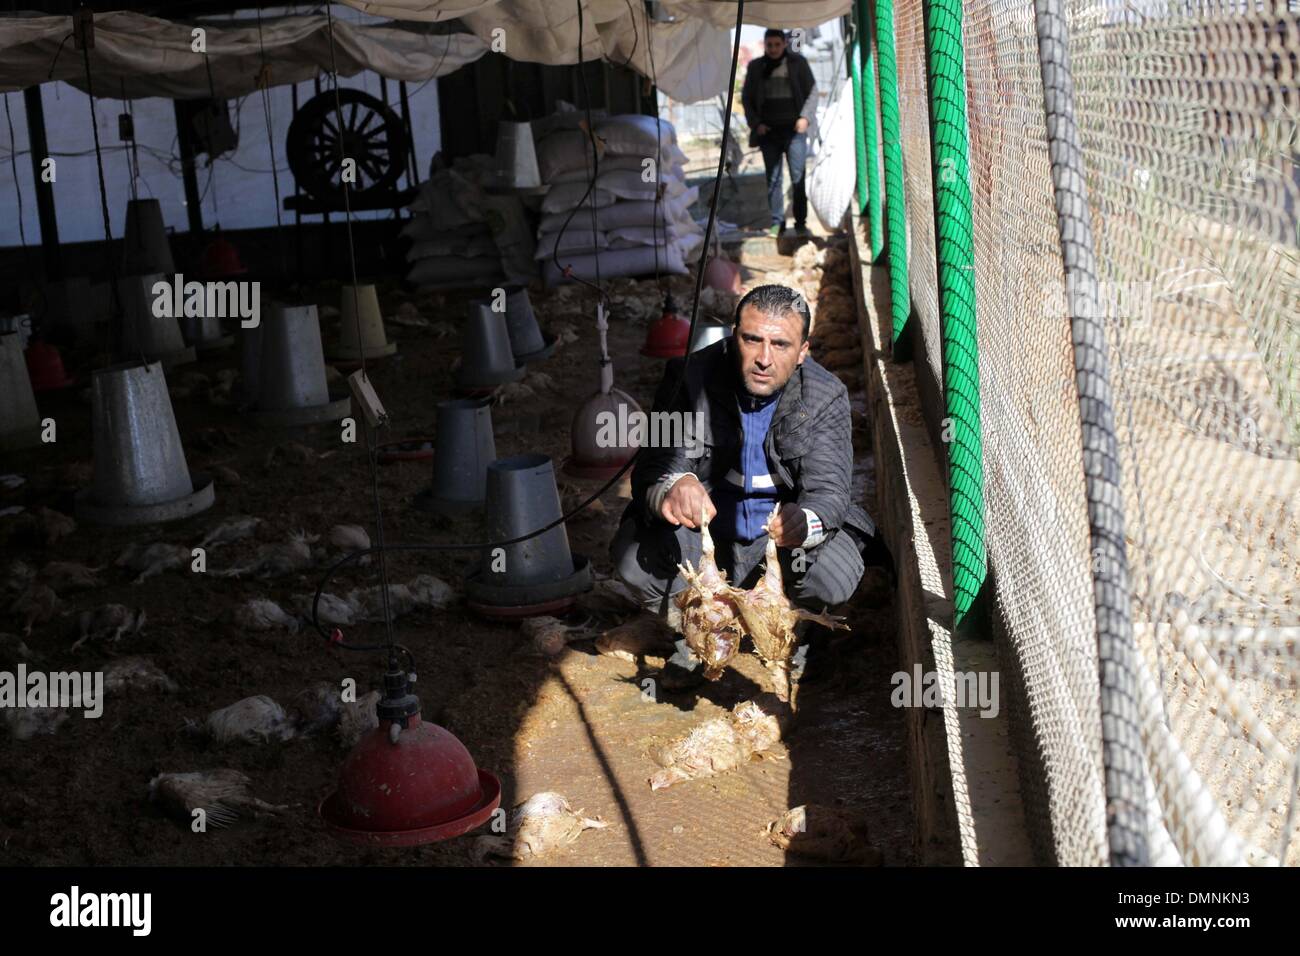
x=809, y=442
x=802, y=85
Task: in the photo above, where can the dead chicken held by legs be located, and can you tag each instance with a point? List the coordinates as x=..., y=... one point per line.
x=769, y=619
x=710, y=618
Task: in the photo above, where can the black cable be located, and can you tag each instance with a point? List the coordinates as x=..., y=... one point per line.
x=681, y=381
x=13, y=165
x=595, y=153
x=659, y=149
x=115, y=330
x=372, y=440
x=264, y=83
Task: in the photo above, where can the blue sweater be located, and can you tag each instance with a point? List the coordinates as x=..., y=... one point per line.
x=746, y=498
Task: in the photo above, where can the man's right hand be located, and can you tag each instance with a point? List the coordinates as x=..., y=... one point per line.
x=683, y=502
x=761, y=129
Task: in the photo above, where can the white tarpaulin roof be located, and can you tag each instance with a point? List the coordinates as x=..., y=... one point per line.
x=135, y=55
x=691, y=55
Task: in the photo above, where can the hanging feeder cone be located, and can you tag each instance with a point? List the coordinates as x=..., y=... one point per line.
x=486, y=359
x=204, y=333
x=463, y=449
x=140, y=473
x=359, y=305
x=708, y=333
x=145, y=246
x=250, y=363
x=70, y=312
x=526, y=339
x=45, y=367
x=157, y=338
x=516, y=156
x=290, y=380
x=536, y=576
x=20, y=422
x=408, y=781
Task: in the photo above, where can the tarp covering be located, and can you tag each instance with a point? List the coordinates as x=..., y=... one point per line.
x=687, y=58
x=137, y=56
x=768, y=13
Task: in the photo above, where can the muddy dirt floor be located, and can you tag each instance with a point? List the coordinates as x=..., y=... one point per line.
x=576, y=724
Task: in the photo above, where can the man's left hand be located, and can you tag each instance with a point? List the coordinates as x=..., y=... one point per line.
x=801, y=125
x=789, y=526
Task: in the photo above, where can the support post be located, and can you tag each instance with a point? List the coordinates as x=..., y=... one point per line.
x=40, y=150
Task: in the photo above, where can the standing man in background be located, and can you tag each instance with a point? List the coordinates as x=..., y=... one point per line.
x=778, y=101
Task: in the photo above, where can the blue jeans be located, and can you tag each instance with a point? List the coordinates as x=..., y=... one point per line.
x=776, y=143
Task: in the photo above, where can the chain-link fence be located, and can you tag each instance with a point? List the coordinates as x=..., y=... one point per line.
x=1186, y=118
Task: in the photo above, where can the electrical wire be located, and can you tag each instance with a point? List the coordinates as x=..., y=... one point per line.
x=335, y=638
x=372, y=438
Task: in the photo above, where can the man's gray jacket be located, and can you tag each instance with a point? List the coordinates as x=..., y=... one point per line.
x=809, y=443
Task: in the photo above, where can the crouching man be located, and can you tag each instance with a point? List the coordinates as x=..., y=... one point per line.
x=772, y=430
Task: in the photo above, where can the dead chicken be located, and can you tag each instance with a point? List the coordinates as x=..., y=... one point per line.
x=294, y=453
x=357, y=718
x=225, y=474
x=642, y=635
x=223, y=796
x=710, y=619
x=136, y=674
x=232, y=529
x=262, y=614
x=279, y=558
x=50, y=526
x=150, y=560
x=14, y=651
x=253, y=720
x=549, y=636
x=108, y=624
x=609, y=596
x=349, y=537
x=769, y=619
x=15, y=577
x=824, y=833
x=70, y=576
x=542, y=823
x=316, y=708
x=222, y=391
x=423, y=591
x=36, y=605
x=24, y=723
x=331, y=610
x=721, y=744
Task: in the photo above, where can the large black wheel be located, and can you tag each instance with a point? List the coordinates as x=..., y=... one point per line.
x=371, y=134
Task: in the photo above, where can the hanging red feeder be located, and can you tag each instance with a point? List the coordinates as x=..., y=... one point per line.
x=221, y=260
x=45, y=367
x=668, y=335
x=408, y=782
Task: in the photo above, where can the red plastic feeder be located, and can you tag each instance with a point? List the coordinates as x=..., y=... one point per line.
x=722, y=274
x=221, y=260
x=668, y=335
x=408, y=782
x=45, y=367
